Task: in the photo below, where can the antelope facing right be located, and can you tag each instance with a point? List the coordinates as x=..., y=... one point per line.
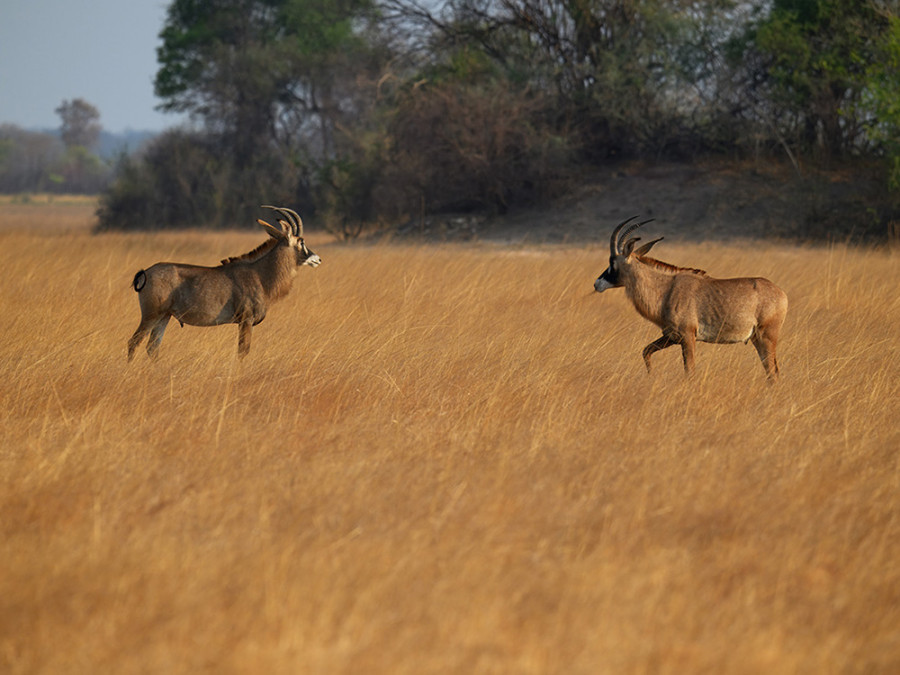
x=239, y=290
x=688, y=305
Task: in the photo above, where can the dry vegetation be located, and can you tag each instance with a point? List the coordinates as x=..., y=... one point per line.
x=444, y=459
x=47, y=213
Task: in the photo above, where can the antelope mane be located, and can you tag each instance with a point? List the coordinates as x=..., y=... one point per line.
x=671, y=269
x=255, y=254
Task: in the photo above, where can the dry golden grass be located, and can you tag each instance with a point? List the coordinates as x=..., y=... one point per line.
x=46, y=213
x=444, y=459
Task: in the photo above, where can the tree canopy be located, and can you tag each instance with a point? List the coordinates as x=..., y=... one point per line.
x=383, y=109
x=80, y=123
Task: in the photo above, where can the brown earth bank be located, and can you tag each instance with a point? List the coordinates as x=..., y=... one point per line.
x=708, y=200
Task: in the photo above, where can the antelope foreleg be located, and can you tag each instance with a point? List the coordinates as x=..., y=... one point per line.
x=655, y=346
x=244, y=338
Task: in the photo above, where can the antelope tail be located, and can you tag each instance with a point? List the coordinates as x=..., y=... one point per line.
x=140, y=279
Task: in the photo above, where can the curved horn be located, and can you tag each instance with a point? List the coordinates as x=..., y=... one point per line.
x=280, y=211
x=292, y=217
x=297, y=221
x=614, y=239
x=629, y=230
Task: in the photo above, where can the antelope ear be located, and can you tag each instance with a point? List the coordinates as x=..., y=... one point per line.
x=272, y=230
x=643, y=250
x=626, y=248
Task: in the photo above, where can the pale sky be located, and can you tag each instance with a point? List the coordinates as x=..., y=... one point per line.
x=103, y=51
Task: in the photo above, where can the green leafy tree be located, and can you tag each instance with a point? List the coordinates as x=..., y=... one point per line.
x=244, y=67
x=882, y=98
x=817, y=54
x=269, y=80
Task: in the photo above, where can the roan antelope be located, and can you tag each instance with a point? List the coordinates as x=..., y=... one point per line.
x=239, y=290
x=688, y=305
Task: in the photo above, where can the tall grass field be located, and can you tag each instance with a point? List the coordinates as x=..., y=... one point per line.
x=443, y=459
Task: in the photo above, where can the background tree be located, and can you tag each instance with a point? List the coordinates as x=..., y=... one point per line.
x=882, y=98
x=79, y=170
x=265, y=79
x=80, y=123
x=465, y=136
x=628, y=77
x=360, y=111
x=814, y=57
x=27, y=159
x=32, y=161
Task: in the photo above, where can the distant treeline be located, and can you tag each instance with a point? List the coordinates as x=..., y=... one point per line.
x=368, y=111
x=43, y=161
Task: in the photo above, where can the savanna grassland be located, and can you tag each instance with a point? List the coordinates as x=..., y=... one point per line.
x=443, y=459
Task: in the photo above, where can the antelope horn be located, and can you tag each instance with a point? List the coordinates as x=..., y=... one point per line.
x=614, y=239
x=298, y=223
x=281, y=212
x=294, y=220
x=631, y=228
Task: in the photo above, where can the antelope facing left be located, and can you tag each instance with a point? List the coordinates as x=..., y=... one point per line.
x=688, y=305
x=239, y=290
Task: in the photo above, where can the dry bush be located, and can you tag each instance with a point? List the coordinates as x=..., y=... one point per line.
x=444, y=460
x=458, y=146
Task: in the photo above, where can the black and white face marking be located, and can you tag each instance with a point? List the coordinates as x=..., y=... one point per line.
x=305, y=256
x=610, y=278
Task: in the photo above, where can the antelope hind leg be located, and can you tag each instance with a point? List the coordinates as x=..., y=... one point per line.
x=156, y=336
x=765, y=347
x=138, y=337
x=688, y=343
